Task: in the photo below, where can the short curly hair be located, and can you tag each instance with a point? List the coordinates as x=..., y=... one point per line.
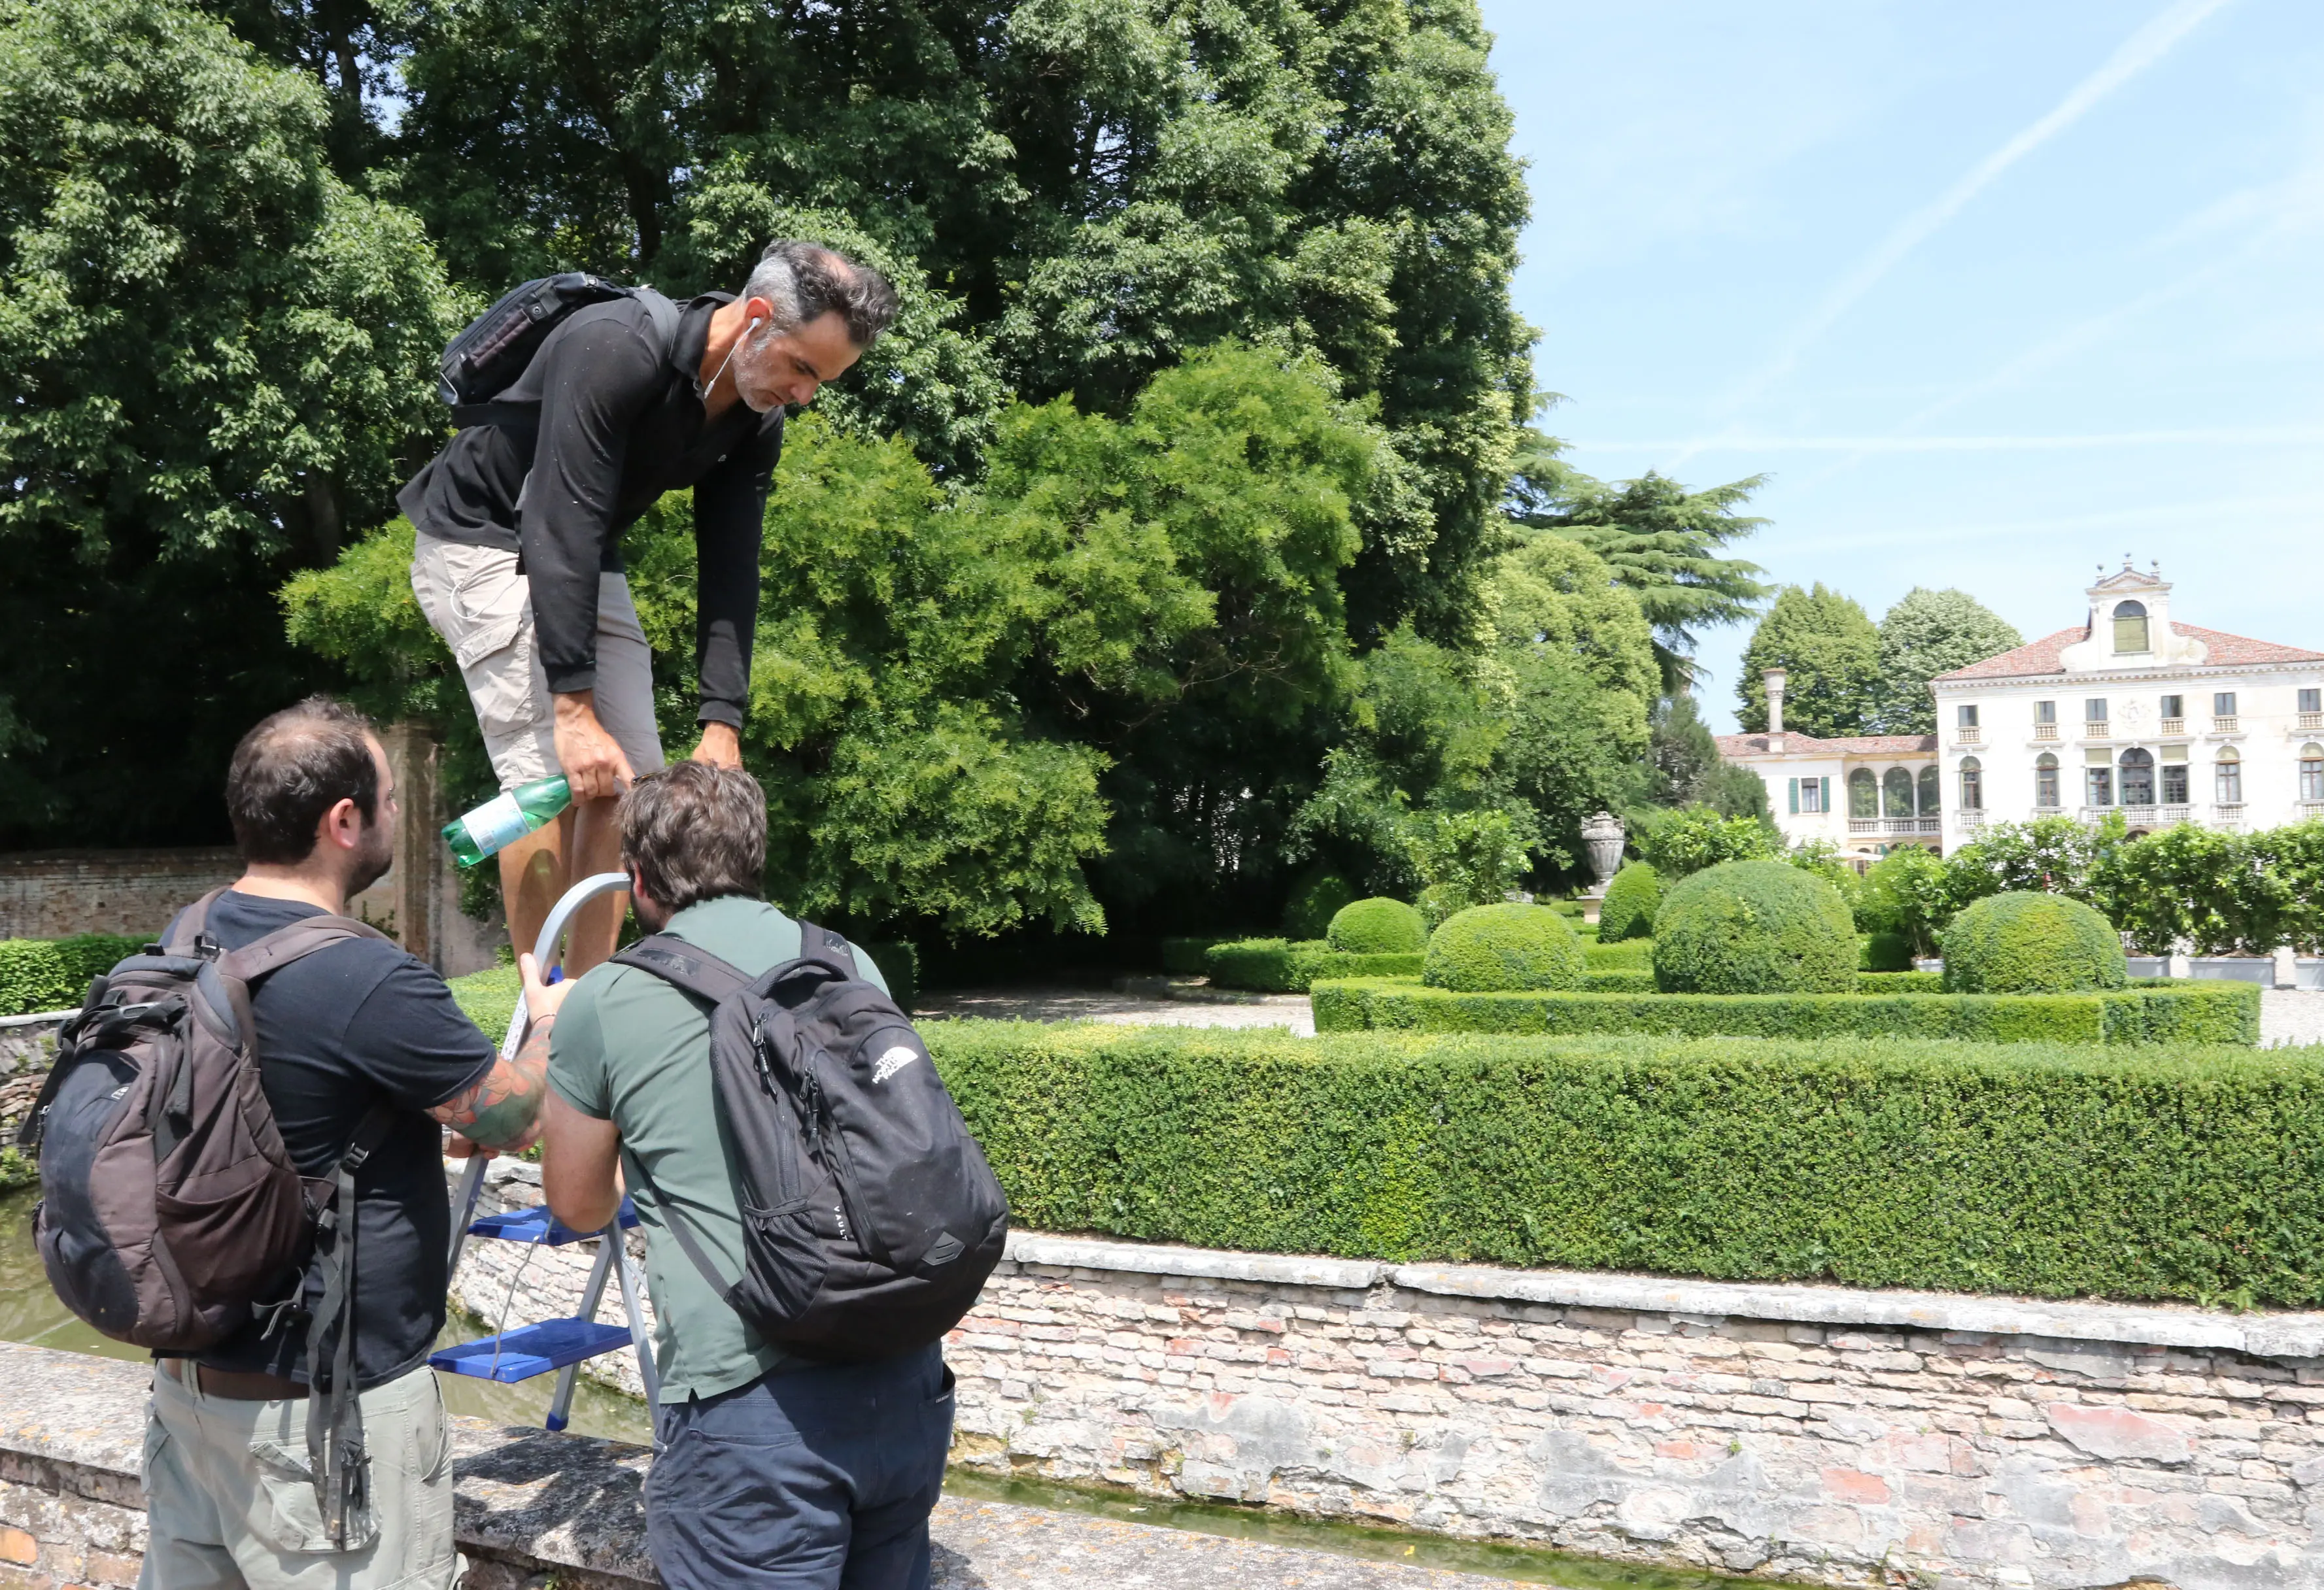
x=694, y=833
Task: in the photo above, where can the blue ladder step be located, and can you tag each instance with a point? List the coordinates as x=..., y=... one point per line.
x=537, y=1225
x=536, y=1349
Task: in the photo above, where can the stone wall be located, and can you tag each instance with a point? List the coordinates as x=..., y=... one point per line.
x=56, y=894
x=1824, y=1433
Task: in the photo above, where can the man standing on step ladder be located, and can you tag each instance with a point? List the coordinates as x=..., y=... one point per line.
x=356, y=1039
x=518, y=565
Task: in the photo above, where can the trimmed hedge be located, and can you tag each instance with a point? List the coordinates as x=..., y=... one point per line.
x=1886, y=952
x=1274, y=966
x=2185, y=1173
x=1755, y=927
x=1378, y=926
x=1183, y=957
x=2205, y=1013
x=53, y=974
x=1630, y=955
x=1504, y=946
x=1625, y=982
x=2028, y=942
x=1633, y=897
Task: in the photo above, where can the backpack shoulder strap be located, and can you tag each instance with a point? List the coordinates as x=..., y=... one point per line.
x=818, y=942
x=686, y=966
x=191, y=923
x=286, y=944
x=664, y=313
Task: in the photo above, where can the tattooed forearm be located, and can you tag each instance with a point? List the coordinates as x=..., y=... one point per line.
x=504, y=1108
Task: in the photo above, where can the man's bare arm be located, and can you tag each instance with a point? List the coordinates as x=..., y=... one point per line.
x=580, y=1159
x=502, y=1110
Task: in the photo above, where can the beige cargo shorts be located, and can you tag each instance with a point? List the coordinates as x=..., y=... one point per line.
x=476, y=599
x=229, y=1501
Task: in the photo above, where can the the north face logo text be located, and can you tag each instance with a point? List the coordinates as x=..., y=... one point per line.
x=894, y=1061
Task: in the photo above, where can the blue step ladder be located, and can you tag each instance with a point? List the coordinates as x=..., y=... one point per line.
x=558, y=1345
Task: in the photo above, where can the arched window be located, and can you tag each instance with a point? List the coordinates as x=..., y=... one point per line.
x=2045, y=779
x=2311, y=772
x=2137, y=777
x=1897, y=793
x=1929, y=782
x=2130, y=626
x=1863, y=793
x=2227, y=777
x=1972, y=784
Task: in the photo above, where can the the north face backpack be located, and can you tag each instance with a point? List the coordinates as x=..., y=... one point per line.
x=870, y=1217
x=486, y=359
x=169, y=1212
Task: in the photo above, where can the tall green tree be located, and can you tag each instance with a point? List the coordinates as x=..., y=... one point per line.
x=1832, y=655
x=1661, y=541
x=219, y=360
x=1928, y=633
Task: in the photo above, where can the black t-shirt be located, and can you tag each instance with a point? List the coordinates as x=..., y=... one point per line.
x=337, y=1030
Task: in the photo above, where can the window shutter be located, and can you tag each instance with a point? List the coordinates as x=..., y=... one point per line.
x=1823, y=791
x=1796, y=796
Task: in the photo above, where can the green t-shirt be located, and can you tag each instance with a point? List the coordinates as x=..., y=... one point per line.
x=629, y=1049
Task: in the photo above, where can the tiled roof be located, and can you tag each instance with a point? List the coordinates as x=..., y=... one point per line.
x=1847, y=744
x=2041, y=656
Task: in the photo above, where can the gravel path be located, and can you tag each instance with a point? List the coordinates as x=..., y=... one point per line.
x=1125, y=1009
x=2290, y=1016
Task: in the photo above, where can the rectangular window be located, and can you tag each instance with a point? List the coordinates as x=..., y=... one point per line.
x=1811, y=795
x=1966, y=714
x=2045, y=784
x=2228, y=782
x=2094, y=710
x=2312, y=701
x=2311, y=779
x=2174, y=706
x=2223, y=704
x=2045, y=712
x=2101, y=786
x=2174, y=783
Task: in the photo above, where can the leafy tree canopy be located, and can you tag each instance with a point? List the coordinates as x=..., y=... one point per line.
x=1928, y=633
x=1661, y=540
x=1832, y=655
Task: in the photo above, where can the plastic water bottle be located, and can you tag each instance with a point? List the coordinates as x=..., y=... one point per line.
x=506, y=818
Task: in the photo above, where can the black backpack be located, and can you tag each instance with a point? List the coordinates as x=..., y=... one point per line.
x=870, y=1217
x=485, y=360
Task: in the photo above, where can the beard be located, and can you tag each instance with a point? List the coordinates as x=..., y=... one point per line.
x=373, y=860
x=752, y=384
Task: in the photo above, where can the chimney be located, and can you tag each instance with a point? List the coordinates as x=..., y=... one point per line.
x=1774, y=678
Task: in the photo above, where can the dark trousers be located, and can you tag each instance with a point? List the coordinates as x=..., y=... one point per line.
x=815, y=1478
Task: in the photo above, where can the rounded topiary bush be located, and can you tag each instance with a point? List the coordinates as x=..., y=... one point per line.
x=1885, y=951
x=1316, y=899
x=1630, y=904
x=1754, y=927
x=2031, y=944
x=1377, y=926
x=1488, y=949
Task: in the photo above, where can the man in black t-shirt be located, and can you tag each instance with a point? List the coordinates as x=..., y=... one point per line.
x=230, y=1501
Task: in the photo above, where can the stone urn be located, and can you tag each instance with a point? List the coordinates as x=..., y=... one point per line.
x=1603, y=835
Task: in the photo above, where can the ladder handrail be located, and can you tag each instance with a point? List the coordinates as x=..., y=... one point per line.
x=472, y=1180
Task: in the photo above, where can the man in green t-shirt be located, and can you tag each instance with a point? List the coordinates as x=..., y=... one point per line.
x=770, y=1471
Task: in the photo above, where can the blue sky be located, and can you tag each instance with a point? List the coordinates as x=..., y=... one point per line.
x=1992, y=292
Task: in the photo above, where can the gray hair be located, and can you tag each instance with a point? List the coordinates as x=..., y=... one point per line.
x=806, y=282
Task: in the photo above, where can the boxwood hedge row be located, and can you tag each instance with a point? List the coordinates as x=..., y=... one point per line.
x=2069, y=1172
x=1867, y=982
x=1278, y=966
x=53, y=974
x=2201, y=1012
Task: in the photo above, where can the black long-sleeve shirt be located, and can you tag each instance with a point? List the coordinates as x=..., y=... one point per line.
x=620, y=425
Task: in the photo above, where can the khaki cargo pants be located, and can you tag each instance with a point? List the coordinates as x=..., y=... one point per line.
x=229, y=1504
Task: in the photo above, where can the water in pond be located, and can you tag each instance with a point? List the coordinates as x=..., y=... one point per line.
x=30, y=1313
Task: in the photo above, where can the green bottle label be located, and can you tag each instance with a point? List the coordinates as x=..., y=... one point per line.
x=498, y=821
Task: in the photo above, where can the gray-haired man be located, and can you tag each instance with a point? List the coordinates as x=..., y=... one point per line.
x=519, y=564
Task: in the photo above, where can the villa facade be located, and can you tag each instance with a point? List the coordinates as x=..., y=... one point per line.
x=2128, y=712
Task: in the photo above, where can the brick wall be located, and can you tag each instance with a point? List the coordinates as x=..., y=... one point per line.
x=55, y=894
